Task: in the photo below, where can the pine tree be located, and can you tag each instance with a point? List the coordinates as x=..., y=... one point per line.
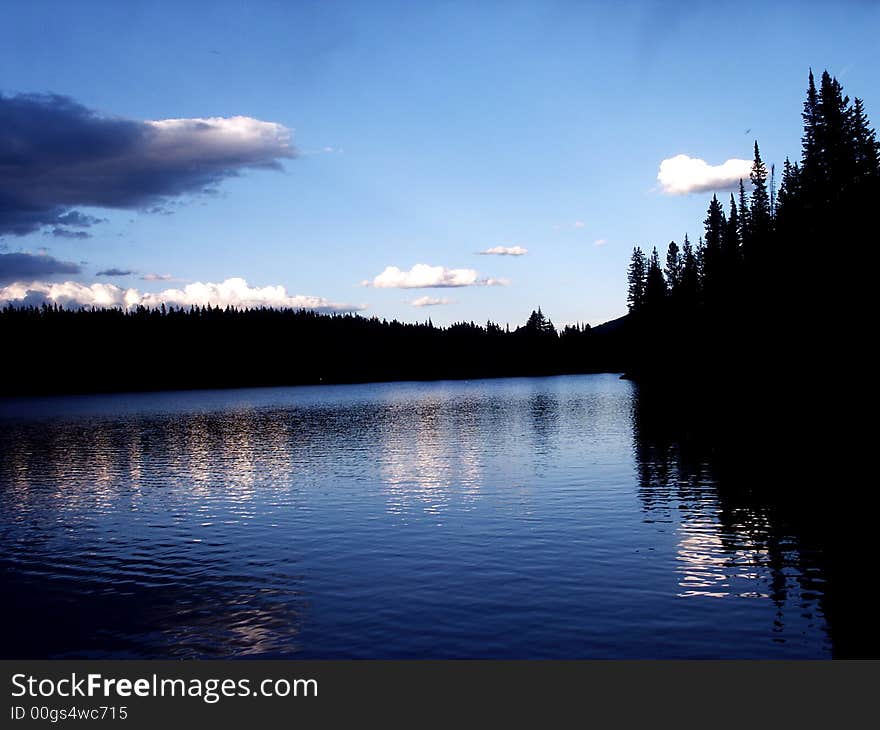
x=743, y=215
x=538, y=324
x=690, y=273
x=674, y=265
x=865, y=146
x=715, y=225
x=730, y=245
x=730, y=240
x=787, y=191
x=655, y=283
x=636, y=278
x=760, y=221
x=809, y=141
x=700, y=253
x=835, y=151
x=772, y=191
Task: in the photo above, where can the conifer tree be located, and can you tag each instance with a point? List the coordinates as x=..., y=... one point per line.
x=760, y=221
x=730, y=241
x=700, y=253
x=730, y=247
x=809, y=141
x=655, y=283
x=715, y=225
x=690, y=273
x=786, y=189
x=743, y=215
x=865, y=146
x=636, y=278
x=674, y=265
x=538, y=324
x=835, y=150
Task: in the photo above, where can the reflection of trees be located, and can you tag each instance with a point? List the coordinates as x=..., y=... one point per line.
x=697, y=477
x=434, y=449
x=543, y=409
x=431, y=452
x=124, y=526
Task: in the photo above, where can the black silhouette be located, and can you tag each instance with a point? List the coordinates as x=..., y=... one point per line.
x=773, y=283
x=52, y=349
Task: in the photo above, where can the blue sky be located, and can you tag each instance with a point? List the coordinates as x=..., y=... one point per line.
x=428, y=132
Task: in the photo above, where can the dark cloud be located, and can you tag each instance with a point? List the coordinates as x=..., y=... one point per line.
x=26, y=266
x=75, y=219
x=65, y=233
x=56, y=154
x=115, y=272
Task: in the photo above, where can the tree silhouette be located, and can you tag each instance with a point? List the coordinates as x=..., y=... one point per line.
x=712, y=250
x=674, y=267
x=637, y=279
x=749, y=286
x=655, y=283
x=760, y=218
x=690, y=274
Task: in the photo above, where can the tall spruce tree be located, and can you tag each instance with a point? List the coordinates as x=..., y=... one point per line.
x=674, y=265
x=865, y=146
x=760, y=220
x=689, y=287
x=730, y=240
x=834, y=141
x=715, y=225
x=655, y=283
x=700, y=253
x=810, y=141
x=730, y=245
x=743, y=215
x=636, y=278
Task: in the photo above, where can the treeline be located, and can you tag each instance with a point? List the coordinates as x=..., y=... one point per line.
x=54, y=349
x=779, y=278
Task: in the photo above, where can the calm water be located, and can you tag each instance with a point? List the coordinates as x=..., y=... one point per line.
x=501, y=519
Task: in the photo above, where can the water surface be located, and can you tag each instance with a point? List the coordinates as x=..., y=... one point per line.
x=515, y=518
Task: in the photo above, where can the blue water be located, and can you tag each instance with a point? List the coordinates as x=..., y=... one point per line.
x=515, y=518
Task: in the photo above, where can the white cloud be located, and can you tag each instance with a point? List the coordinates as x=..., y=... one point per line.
x=232, y=292
x=423, y=276
x=218, y=140
x=599, y=242
x=430, y=301
x=505, y=251
x=578, y=224
x=681, y=175
x=69, y=293
x=157, y=277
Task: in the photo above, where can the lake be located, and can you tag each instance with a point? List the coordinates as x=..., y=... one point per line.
x=510, y=518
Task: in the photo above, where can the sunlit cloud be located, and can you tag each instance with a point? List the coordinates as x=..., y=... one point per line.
x=423, y=276
x=681, y=175
x=234, y=292
x=430, y=301
x=505, y=251
x=599, y=242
